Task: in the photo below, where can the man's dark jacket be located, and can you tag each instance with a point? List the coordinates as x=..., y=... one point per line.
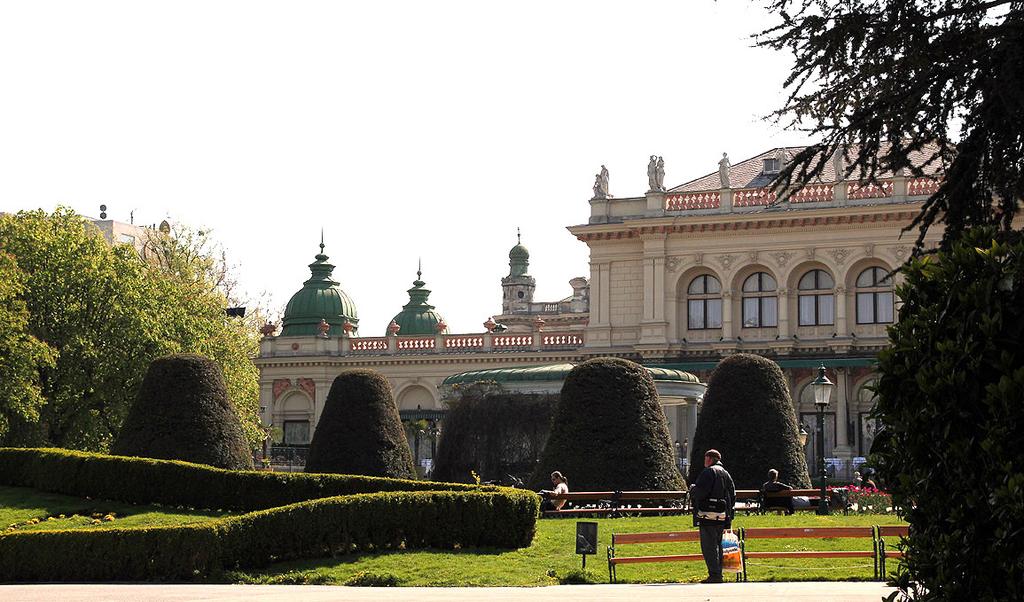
x=714, y=482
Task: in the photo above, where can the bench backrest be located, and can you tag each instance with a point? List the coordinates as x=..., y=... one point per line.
x=621, y=495
x=806, y=532
x=624, y=538
x=894, y=531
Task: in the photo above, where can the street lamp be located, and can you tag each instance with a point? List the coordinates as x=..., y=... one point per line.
x=803, y=436
x=679, y=454
x=822, y=388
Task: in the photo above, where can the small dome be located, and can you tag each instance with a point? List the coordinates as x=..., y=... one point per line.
x=417, y=316
x=519, y=252
x=319, y=299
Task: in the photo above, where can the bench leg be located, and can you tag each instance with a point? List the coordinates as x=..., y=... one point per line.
x=611, y=567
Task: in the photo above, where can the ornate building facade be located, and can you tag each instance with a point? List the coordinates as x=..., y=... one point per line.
x=679, y=278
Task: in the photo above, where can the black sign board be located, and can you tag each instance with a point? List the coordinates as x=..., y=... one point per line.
x=586, y=538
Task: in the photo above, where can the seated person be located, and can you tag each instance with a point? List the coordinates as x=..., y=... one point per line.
x=772, y=485
x=561, y=486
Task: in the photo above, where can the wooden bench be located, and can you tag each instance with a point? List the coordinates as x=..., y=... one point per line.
x=615, y=503
x=755, y=500
x=621, y=539
x=755, y=533
x=890, y=532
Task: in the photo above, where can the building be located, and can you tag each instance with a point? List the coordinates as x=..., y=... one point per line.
x=679, y=278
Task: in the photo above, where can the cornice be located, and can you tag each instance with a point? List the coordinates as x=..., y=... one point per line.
x=827, y=217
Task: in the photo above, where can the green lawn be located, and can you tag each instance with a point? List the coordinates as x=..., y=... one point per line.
x=549, y=560
x=21, y=508
x=551, y=557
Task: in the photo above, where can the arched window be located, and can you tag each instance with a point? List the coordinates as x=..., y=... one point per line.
x=760, y=305
x=874, y=297
x=704, y=303
x=815, y=300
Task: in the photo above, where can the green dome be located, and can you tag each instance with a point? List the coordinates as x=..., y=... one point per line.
x=518, y=259
x=417, y=316
x=319, y=299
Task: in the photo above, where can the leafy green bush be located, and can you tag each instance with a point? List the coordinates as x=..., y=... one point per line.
x=951, y=406
x=182, y=412
x=359, y=431
x=175, y=483
x=493, y=433
x=609, y=431
x=749, y=417
x=315, y=528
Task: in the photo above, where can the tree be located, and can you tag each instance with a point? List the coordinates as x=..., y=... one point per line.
x=106, y=314
x=950, y=400
x=609, y=431
x=183, y=413
x=359, y=431
x=749, y=417
x=886, y=81
x=493, y=432
x=22, y=355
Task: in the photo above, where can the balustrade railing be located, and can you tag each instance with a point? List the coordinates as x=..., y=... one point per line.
x=368, y=345
x=460, y=342
x=512, y=341
x=561, y=340
x=812, y=193
x=693, y=200
x=415, y=343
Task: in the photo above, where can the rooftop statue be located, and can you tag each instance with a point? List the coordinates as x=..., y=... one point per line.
x=723, y=170
x=601, y=184
x=660, y=174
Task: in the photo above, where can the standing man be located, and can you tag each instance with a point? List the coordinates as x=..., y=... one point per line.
x=714, y=501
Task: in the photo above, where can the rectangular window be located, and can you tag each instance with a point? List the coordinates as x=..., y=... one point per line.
x=769, y=311
x=826, y=305
x=865, y=308
x=751, y=312
x=714, y=313
x=695, y=317
x=807, y=317
x=296, y=432
x=885, y=308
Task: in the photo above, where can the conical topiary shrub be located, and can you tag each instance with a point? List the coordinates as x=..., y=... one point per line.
x=749, y=417
x=359, y=430
x=182, y=412
x=609, y=432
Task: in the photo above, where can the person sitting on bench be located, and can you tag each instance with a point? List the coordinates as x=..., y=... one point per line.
x=561, y=486
x=772, y=485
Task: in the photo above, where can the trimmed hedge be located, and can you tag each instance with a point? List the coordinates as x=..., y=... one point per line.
x=316, y=528
x=359, y=431
x=171, y=482
x=609, y=432
x=750, y=418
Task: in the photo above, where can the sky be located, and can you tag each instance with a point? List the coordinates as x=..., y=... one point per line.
x=404, y=130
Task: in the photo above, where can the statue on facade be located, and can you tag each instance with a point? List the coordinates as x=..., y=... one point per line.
x=601, y=184
x=723, y=170
x=660, y=174
x=839, y=164
x=652, y=173
x=323, y=328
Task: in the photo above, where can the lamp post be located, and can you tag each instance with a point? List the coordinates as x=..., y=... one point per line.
x=822, y=388
x=679, y=455
x=803, y=436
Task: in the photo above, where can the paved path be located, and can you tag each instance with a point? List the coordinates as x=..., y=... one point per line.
x=729, y=592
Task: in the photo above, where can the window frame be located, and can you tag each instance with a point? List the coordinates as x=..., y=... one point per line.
x=878, y=288
x=704, y=300
x=763, y=296
x=818, y=294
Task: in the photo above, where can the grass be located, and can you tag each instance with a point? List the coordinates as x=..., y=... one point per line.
x=551, y=559
x=31, y=510
x=548, y=561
